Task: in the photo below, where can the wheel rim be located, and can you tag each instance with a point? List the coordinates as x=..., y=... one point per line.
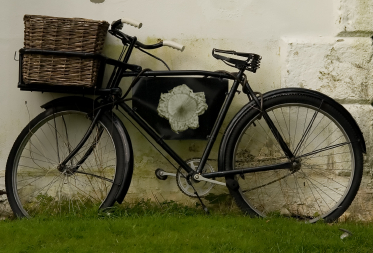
x=314, y=190
x=41, y=187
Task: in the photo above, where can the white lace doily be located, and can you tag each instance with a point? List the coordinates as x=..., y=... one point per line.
x=181, y=106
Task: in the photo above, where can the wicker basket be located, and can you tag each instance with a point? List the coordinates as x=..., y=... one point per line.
x=67, y=35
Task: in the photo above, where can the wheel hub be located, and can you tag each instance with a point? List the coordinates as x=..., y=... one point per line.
x=296, y=165
x=66, y=169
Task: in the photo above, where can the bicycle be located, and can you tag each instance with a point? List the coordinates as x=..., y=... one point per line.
x=291, y=151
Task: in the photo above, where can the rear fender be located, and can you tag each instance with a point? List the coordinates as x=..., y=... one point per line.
x=279, y=92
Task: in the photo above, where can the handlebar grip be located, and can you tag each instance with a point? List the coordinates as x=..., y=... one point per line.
x=173, y=45
x=130, y=21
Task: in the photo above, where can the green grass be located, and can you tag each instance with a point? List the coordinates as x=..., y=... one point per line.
x=170, y=227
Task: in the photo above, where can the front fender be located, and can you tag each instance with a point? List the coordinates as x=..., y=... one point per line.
x=70, y=100
x=279, y=92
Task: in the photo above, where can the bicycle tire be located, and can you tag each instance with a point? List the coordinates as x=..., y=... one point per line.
x=36, y=186
x=329, y=152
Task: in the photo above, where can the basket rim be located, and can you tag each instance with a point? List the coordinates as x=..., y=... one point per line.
x=27, y=17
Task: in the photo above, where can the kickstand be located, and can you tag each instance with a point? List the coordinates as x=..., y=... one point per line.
x=203, y=205
x=200, y=200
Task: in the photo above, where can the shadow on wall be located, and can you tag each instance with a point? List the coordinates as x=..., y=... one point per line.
x=97, y=1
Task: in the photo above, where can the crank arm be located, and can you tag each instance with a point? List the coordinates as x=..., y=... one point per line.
x=164, y=173
x=201, y=178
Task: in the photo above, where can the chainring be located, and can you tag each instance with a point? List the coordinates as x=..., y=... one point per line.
x=202, y=187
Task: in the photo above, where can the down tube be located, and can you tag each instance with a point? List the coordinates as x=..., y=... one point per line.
x=155, y=137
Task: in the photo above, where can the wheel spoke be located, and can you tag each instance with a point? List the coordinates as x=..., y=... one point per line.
x=93, y=175
x=324, y=149
x=307, y=131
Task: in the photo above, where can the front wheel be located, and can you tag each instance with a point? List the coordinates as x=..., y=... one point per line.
x=35, y=184
x=328, y=155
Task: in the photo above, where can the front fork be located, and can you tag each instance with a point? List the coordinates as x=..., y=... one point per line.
x=62, y=166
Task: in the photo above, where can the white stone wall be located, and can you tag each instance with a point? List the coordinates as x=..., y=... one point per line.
x=320, y=45
x=340, y=65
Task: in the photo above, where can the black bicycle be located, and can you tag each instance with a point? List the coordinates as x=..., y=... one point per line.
x=291, y=151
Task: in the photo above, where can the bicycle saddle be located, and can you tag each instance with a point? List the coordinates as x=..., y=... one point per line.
x=252, y=63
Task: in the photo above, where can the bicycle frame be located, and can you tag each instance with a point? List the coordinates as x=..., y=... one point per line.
x=120, y=71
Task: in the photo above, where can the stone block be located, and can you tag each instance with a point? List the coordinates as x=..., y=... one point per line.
x=339, y=67
x=363, y=114
x=361, y=208
x=354, y=17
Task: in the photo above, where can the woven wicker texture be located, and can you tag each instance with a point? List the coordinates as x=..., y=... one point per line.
x=62, y=34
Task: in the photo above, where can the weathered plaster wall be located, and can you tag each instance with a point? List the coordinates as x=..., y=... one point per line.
x=297, y=39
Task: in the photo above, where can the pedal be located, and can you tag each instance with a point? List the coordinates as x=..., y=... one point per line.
x=162, y=175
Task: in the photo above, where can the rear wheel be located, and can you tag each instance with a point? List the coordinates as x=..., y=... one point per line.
x=36, y=185
x=326, y=148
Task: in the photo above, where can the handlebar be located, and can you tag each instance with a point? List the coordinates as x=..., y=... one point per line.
x=174, y=45
x=131, y=22
x=118, y=25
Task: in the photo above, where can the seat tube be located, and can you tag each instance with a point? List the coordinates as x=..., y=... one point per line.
x=219, y=121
